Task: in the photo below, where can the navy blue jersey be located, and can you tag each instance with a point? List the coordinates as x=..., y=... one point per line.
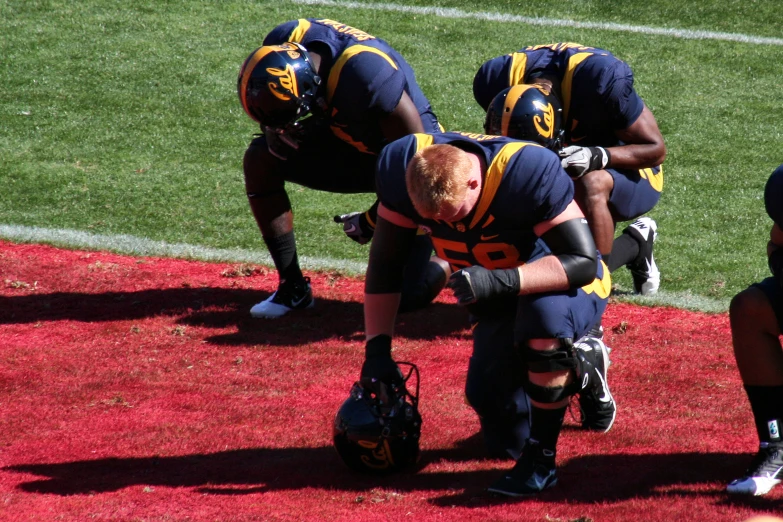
x=523, y=185
x=363, y=79
x=773, y=196
x=596, y=88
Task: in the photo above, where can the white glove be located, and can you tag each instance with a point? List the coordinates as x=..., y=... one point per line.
x=356, y=226
x=578, y=161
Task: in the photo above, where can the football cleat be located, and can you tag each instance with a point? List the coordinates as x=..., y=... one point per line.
x=534, y=472
x=764, y=473
x=595, y=400
x=289, y=296
x=645, y=273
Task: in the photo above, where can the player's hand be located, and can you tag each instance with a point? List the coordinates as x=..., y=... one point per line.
x=476, y=283
x=379, y=367
x=280, y=144
x=578, y=161
x=356, y=226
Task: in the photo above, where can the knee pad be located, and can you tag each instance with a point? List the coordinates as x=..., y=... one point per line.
x=560, y=359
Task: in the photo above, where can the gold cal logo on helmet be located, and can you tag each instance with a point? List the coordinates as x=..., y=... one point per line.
x=380, y=452
x=287, y=87
x=548, y=130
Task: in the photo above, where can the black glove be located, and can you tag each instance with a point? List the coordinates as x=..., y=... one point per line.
x=379, y=367
x=578, y=161
x=476, y=283
x=279, y=143
x=356, y=226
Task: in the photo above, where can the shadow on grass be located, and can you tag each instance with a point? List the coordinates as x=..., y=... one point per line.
x=589, y=479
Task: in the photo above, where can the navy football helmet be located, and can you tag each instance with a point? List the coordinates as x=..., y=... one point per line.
x=377, y=428
x=527, y=112
x=277, y=85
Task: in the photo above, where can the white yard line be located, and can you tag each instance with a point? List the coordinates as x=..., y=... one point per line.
x=125, y=244
x=137, y=246
x=444, y=12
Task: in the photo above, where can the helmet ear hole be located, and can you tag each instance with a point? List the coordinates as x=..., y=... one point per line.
x=277, y=84
x=527, y=112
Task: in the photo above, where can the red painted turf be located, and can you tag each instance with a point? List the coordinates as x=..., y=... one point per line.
x=140, y=389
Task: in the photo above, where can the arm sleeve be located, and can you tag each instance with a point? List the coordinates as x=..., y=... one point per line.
x=388, y=254
x=572, y=243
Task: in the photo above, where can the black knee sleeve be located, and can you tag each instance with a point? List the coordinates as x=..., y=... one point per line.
x=546, y=361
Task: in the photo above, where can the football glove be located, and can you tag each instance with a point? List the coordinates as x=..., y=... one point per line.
x=280, y=143
x=578, y=161
x=379, y=367
x=476, y=283
x=357, y=226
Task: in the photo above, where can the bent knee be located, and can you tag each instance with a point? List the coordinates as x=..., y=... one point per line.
x=595, y=185
x=748, y=304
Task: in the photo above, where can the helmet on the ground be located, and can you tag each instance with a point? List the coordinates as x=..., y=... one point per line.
x=527, y=112
x=378, y=432
x=277, y=84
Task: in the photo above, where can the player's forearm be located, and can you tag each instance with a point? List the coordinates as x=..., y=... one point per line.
x=542, y=275
x=636, y=156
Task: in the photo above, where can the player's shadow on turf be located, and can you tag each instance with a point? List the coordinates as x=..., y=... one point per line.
x=329, y=319
x=595, y=478
x=222, y=308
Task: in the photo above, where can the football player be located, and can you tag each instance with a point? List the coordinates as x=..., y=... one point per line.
x=756, y=316
x=328, y=97
x=607, y=137
x=501, y=213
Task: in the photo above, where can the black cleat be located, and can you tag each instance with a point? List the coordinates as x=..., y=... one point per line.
x=533, y=473
x=764, y=473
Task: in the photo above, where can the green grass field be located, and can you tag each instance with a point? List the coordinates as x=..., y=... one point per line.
x=121, y=118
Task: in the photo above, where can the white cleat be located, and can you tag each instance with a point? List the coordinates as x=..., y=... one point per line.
x=288, y=297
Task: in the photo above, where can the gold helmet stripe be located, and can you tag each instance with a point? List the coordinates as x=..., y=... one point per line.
x=512, y=97
x=247, y=72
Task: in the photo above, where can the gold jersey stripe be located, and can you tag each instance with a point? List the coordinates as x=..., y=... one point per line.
x=297, y=35
x=568, y=80
x=349, y=53
x=516, y=73
x=494, y=177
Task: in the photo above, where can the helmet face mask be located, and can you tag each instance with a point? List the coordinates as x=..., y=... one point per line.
x=527, y=112
x=377, y=429
x=277, y=85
